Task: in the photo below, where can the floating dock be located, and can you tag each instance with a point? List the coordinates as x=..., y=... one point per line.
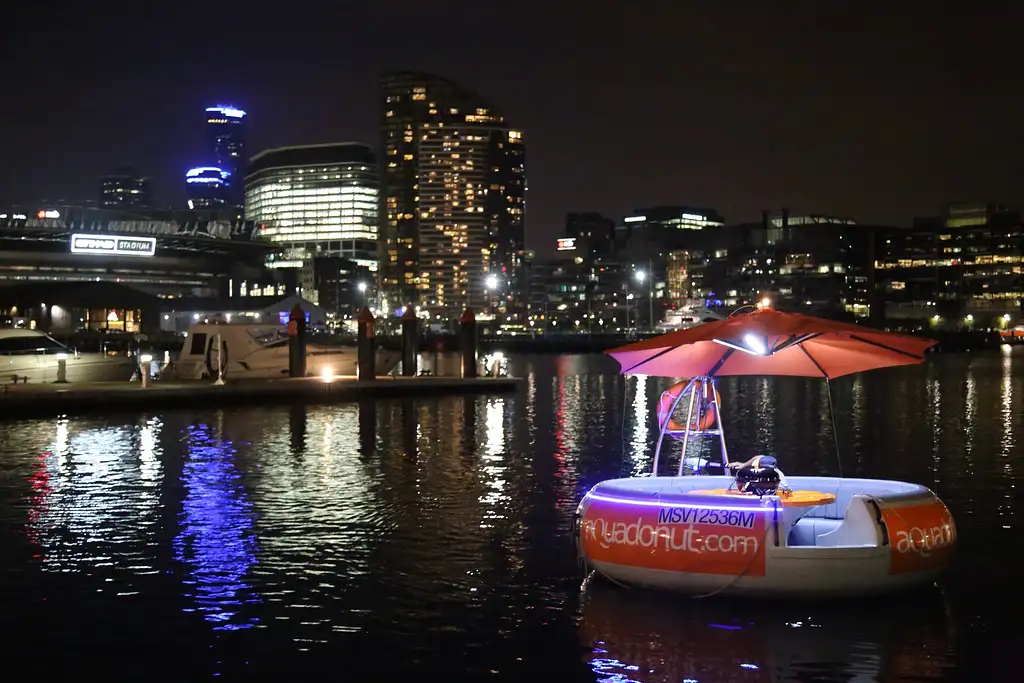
x=53, y=398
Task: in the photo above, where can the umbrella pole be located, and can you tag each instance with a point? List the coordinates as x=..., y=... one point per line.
x=718, y=420
x=835, y=434
x=665, y=423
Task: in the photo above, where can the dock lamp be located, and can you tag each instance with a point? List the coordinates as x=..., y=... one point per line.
x=62, y=368
x=144, y=361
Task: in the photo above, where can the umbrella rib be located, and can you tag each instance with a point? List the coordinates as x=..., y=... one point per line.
x=886, y=347
x=796, y=339
x=815, y=361
x=721, y=361
x=649, y=358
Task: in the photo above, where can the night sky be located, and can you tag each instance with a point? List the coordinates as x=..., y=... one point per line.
x=827, y=107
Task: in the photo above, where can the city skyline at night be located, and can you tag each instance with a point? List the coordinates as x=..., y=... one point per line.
x=796, y=113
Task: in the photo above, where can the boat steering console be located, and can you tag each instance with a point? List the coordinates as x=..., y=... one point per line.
x=758, y=476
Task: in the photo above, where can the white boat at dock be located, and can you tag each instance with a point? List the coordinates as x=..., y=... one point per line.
x=260, y=351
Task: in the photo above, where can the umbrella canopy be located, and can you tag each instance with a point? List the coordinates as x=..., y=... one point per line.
x=770, y=342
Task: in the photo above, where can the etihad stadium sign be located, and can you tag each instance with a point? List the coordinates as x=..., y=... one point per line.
x=113, y=245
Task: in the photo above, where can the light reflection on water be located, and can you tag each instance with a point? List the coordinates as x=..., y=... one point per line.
x=439, y=531
x=494, y=469
x=639, y=636
x=639, y=444
x=95, y=502
x=1007, y=440
x=216, y=540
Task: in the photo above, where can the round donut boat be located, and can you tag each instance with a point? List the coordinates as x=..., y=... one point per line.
x=743, y=527
x=824, y=537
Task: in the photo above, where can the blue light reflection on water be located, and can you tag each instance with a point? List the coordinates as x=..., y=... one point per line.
x=217, y=537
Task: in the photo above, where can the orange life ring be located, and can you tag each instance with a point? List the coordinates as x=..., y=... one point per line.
x=707, y=407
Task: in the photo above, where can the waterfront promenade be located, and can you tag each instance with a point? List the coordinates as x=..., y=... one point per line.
x=51, y=398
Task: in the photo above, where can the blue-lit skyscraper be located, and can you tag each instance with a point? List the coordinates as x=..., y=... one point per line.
x=225, y=134
x=225, y=156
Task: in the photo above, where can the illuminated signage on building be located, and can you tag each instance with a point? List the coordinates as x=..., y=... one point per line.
x=226, y=110
x=694, y=217
x=634, y=219
x=113, y=245
x=47, y=213
x=567, y=244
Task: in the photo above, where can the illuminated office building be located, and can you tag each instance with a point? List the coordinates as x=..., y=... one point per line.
x=316, y=201
x=208, y=187
x=225, y=135
x=125, y=188
x=454, y=201
x=963, y=268
x=650, y=233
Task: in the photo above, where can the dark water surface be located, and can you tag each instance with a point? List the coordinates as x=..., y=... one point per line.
x=432, y=538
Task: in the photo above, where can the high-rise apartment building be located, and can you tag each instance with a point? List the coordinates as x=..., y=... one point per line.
x=123, y=188
x=454, y=201
x=317, y=201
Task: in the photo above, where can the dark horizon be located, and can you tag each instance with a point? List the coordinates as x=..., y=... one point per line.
x=869, y=114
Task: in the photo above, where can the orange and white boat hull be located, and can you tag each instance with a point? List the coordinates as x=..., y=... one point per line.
x=670, y=533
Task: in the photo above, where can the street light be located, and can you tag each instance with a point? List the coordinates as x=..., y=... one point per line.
x=640, y=277
x=491, y=283
x=362, y=290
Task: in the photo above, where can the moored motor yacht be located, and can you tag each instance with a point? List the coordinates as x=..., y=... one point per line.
x=260, y=351
x=690, y=315
x=32, y=356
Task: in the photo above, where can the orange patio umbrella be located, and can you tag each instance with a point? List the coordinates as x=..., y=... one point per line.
x=769, y=342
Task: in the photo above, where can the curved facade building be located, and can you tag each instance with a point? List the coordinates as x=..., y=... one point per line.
x=454, y=201
x=208, y=187
x=316, y=201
